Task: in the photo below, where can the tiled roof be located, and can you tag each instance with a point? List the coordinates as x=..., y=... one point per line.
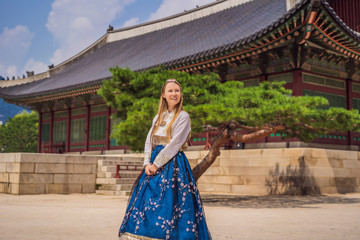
x=179, y=43
x=183, y=43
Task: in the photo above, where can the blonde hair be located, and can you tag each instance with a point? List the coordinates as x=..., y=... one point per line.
x=163, y=106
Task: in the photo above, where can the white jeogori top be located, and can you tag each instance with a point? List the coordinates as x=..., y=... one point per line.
x=179, y=132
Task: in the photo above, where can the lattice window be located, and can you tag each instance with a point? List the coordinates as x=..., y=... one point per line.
x=97, y=128
x=78, y=130
x=59, y=135
x=356, y=104
x=98, y=108
x=114, y=122
x=286, y=77
x=45, y=133
x=334, y=100
x=251, y=82
x=324, y=81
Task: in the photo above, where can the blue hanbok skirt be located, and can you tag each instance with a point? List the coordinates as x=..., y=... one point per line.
x=166, y=205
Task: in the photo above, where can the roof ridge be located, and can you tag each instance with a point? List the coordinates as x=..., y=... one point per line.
x=173, y=20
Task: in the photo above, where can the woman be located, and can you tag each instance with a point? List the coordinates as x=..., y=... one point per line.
x=165, y=202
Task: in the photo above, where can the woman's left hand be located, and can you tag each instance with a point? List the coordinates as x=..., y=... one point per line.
x=152, y=169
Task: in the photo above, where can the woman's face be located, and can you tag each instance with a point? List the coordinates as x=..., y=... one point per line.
x=172, y=95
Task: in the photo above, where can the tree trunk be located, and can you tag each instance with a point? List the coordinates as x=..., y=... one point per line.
x=229, y=133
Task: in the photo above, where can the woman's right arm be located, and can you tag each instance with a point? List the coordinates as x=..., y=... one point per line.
x=148, y=144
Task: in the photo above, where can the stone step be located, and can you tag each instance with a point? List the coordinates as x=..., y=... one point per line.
x=135, y=161
x=136, y=168
x=116, y=187
x=108, y=192
x=115, y=180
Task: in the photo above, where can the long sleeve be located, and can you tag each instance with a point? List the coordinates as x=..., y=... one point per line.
x=148, y=144
x=180, y=131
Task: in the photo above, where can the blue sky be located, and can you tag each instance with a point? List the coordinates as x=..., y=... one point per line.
x=38, y=33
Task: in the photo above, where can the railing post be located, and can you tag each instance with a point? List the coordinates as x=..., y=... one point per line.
x=117, y=175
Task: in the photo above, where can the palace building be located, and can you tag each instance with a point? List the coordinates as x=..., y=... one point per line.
x=312, y=45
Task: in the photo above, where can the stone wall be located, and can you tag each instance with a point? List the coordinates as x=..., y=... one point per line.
x=33, y=173
x=281, y=171
x=248, y=171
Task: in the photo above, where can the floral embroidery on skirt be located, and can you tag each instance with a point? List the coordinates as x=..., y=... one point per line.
x=166, y=205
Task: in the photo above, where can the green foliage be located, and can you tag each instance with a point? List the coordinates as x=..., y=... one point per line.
x=136, y=96
x=20, y=133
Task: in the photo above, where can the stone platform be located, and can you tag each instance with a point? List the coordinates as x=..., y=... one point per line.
x=294, y=171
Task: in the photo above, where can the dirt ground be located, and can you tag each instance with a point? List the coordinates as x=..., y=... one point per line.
x=80, y=217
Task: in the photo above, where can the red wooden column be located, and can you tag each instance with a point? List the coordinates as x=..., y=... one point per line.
x=349, y=106
x=68, y=127
x=39, y=132
x=108, y=128
x=87, y=128
x=297, y=87
x=264, y=77
x=51, y=130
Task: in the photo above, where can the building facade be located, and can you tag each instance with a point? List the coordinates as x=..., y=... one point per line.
x=312, y=45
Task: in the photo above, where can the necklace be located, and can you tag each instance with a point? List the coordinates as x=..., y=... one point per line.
x=163, y=122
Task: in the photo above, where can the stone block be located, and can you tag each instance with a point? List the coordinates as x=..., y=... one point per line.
x=342, y=172
x=43, y=158
x=246, y=153
x=252, y=190
x=14, y=177
x=32, y=188
x=87, y=188
x=4, y=177
x=93, y=168
x=351, y=163
x=251, y=171
x=50, y=168
x=322, y=181
x=218, y=188
x=27, y=167
x=269, y=162
x=225, y=153
x=4, y=187
x=336, y=163
x=273, y=152
x=319, y=172
x=221, y=179
x=217, y=171
x=328, y=190
x=63, y=188
x=295, y=153
x=36, y=178
x=255, y=180
x=2, y=166
x=81, y=168
x=340, y=154
x=82, y=159
x=234, y=162
x=14, y=188
x=8, y=157
x=316, y=153
x=345, y=182
x=192, y=154
x=13, y=167
x=355, y=172
x=74, y=178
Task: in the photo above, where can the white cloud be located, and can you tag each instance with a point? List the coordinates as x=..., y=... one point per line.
x=131, y=22
x=76, y=24
x=14, y=46
x=170, y=7
x=36, y=66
